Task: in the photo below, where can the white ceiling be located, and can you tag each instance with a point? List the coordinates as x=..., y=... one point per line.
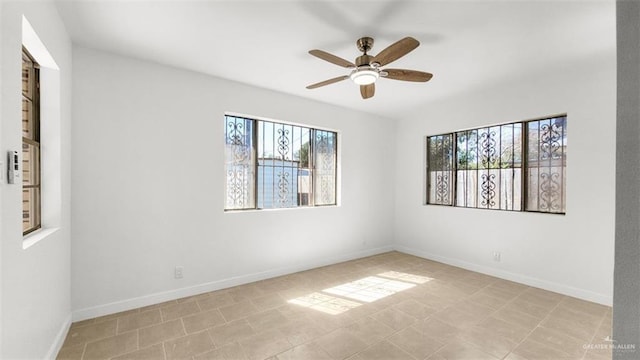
x=465, y=44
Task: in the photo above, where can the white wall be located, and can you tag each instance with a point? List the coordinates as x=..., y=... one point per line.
x=571, y=254
x=35, y=286
x=148, y=186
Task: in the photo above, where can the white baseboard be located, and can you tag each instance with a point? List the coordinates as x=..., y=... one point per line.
x=58, y=341
x=523, y=279
x=156, y=298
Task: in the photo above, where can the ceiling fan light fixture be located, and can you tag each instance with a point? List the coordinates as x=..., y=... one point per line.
x=364, y=76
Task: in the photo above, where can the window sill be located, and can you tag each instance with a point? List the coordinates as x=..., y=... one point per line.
x=232, y=211
x=36, y=236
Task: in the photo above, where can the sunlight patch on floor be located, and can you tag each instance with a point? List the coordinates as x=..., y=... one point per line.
x=365, y=290
x=369, y=289
x=325, y=303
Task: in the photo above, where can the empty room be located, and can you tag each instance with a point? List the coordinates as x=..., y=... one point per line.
x=319, y=179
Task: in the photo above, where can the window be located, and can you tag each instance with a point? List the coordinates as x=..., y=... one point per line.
x=546, y=164
x=440, y=171
x=489, y=167
x=488, y=171
x=274, y=165
x=31, y=190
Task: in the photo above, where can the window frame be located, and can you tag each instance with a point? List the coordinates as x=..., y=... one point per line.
x=256, y=192
x=524, y=166
x=35, y=142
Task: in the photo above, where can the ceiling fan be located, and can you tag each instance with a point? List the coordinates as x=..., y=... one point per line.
x=366, y=69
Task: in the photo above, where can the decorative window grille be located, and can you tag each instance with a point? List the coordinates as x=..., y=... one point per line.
x=31, y=193
x=440, y=169
x=489, y=167
x=324, y=158
x=240, y=163
x=493, y=170
x=546, y=165
x=283, y=165
x=275, y=165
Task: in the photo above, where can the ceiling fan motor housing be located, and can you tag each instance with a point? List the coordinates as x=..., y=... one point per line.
x=364, y=60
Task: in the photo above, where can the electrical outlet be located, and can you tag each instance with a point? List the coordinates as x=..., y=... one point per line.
x=178, y=272
x=496, y=256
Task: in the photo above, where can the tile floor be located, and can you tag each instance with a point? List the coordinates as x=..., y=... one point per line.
x=388, y=306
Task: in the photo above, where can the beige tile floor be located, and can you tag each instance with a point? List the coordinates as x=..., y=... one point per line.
x=388, y=306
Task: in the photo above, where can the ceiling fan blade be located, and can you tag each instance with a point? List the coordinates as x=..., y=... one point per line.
x=396, y=50
x=332, y=58
x=327, y=82
x=367, y=91
x=407, y=75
